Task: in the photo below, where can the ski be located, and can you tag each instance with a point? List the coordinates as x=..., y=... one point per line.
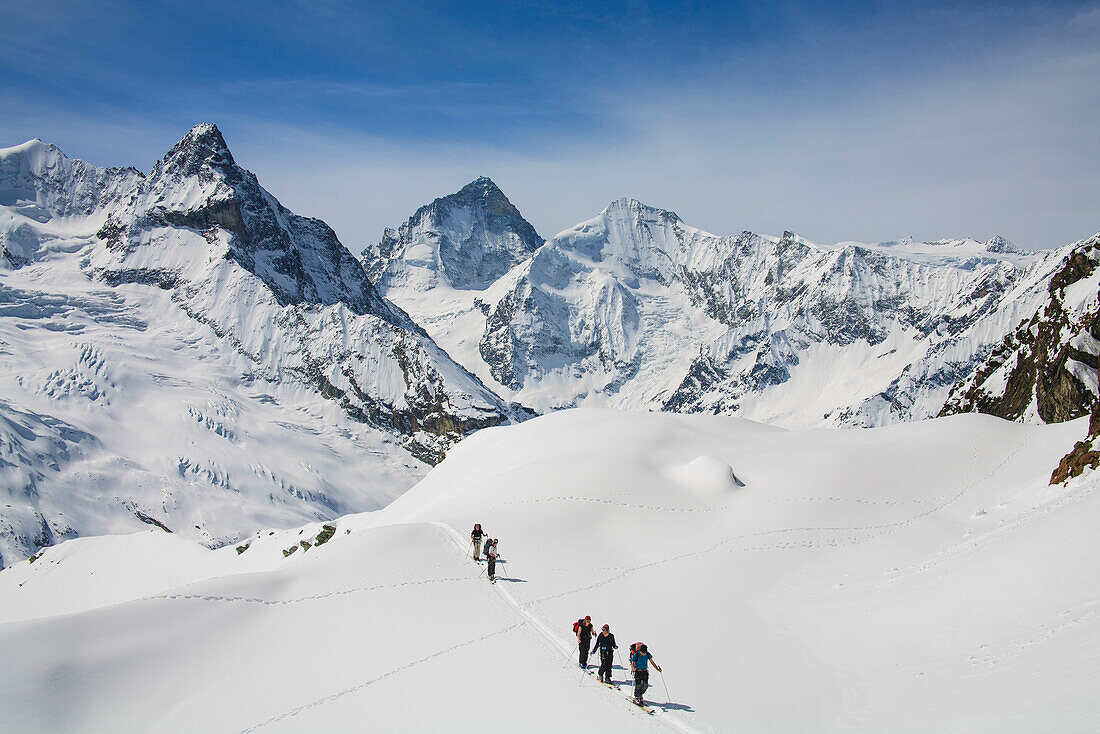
x=649, y=710
x=609, y=685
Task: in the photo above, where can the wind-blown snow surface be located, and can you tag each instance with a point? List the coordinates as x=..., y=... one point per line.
x=915, y=578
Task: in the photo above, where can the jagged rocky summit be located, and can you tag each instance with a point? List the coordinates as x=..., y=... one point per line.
x=164, y=334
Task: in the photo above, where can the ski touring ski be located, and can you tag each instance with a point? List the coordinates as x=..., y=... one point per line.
x=648, y=709
x=609, y=685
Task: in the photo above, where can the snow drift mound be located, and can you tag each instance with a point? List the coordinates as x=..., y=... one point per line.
x=705, y=474
x=916, y=578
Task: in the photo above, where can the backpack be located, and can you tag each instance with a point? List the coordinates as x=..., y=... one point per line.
x=577, y=626
x=634, y=648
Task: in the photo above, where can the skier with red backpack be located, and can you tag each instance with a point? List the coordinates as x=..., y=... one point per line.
x=583, y=629
x=639, y=666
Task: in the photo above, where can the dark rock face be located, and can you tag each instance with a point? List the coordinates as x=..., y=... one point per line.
x=476, y=235
x=1043, y=360
x=1083, y=456
x=701, y=376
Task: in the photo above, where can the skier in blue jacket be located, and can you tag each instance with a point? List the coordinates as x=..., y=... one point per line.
x=639, y=665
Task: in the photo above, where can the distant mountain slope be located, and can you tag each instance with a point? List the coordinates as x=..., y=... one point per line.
x=133, y=302
x=634, y=308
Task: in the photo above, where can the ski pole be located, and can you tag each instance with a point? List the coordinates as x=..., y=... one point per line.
x=667, y=697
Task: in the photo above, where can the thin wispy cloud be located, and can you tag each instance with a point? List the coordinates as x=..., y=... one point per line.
x=841, y=122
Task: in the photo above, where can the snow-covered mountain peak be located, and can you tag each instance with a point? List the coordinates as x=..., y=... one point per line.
x=631, y=208
x=482, y=191
x=203, y=145
x=38, y=181
x=1000, y=244
x=32, y=149
x=630, y=239
x=465, y=240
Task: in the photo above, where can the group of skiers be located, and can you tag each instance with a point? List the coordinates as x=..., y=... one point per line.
x=640, y=658
x=488, y=547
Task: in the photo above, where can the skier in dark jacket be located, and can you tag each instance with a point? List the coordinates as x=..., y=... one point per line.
x=583, y=628
x=639, y=665
x=475, y=538
x=605, y=641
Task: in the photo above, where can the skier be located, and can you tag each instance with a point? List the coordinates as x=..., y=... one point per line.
x=583, y=629
x=605, y=641
x=476, y=536
x=639, y=666
x=491, y=557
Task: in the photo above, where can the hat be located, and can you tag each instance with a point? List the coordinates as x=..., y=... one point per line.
x=587, y=618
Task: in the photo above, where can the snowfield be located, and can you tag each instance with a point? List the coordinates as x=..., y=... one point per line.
x=917, y=578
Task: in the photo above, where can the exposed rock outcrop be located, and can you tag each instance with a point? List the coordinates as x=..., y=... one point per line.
x=1047, y=367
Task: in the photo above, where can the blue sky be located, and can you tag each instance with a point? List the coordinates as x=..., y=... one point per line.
x=840, y=121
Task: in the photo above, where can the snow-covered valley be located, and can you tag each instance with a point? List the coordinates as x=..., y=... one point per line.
x=920, y=577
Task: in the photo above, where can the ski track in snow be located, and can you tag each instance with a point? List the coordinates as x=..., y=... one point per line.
x=872, y=531
x=1019, y=522
x=632, y=506
x=315, y=597
x=1017, y=646
x=566, y=649
x=332, y=697
x=600, y=501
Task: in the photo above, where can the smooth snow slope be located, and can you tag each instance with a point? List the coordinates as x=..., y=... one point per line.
x=916, y=578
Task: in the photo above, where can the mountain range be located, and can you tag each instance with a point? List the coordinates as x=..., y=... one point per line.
x=179, y=349
x=636, y=309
